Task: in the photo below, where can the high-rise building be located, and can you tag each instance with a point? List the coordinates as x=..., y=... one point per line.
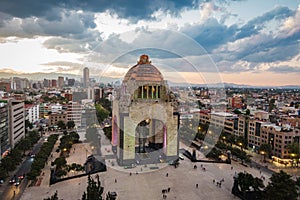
x=54, y=83
x=86, y=77
x=16, y=121
x=61, y=82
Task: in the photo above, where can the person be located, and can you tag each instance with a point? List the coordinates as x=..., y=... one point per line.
x=167, y=174
x=214, y=181
x=115, y=180
x=196, y=185
x=130, y=174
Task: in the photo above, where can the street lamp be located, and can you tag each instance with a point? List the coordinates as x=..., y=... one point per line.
x=241, y=145
x=224, y=138
x=199, y=129
x=263, y=154
x=293, y=156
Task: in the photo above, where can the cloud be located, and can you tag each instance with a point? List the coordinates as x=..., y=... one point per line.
x=125, y=9
x=255, y=25
x=284, y=69
x=210, y=34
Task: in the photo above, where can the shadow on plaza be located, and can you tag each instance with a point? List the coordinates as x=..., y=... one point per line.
x=93, y=164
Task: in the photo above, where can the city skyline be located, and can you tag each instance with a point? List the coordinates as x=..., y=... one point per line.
x=245, y=43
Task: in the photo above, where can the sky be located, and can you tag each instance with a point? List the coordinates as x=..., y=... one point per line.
x=249, y=42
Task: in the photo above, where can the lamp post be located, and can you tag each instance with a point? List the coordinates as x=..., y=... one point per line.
x=224, y=138
x=293, y=157
x=263, y=154
x=241, y=145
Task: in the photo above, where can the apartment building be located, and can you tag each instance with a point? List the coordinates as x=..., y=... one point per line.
x=16, y=121
x=279, y=138
x=4, y=131
x=32, y=113
x=54, y=118
x=228, y=121
x=74, y=113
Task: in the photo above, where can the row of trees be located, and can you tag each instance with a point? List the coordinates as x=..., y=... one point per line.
x=281, y=186
x=42, y=157
x=13, y=159
x=66, y=143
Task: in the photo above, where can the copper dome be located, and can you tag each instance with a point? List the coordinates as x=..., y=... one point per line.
x=144, y=71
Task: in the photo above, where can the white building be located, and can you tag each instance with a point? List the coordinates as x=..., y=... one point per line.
x=74, y=113
x=32, y=112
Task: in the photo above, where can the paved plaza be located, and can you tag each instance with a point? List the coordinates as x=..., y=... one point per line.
x=144, y=182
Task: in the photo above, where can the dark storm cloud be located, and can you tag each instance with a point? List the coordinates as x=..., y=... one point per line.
x=126, y=9
x=284, y=69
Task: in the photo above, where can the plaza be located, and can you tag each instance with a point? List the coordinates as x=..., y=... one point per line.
x=146, y=182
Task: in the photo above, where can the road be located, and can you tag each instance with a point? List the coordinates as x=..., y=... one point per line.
x=24, y=168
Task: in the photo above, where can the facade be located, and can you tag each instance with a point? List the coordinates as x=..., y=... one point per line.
x=5, y=86
x=4, y=130
x=16, y=121
x=224, y=120
x=74, y=113
x=71, y=82
x=54, y=118
x=145, y=118
x=61, y=82
x=279, y=138
x=86, y=77
x=32, y=113
x=254, y=133
x=98, y=93
x=54, y=83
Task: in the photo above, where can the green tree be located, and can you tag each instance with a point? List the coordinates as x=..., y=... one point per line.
x=94, y=189
x=281, y=187
x=60, y=162
x=70, y=124
x=230, y=139
x=265, y=149
x=247, y=112
x=101, y=113
x=294, y=151
x=28, y=124
x=246, y=183
x=241, y=141
x=61, y=124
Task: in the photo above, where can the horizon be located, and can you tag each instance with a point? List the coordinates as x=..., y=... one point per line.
x=196, y=42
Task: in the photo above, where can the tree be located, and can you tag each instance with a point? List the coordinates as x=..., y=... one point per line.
x=94, y=189
x=294, y=151
x=230, y=139
x=101, y=113
x=61, y=124
x=281, y=187
x=265, y=149
x=241, y=141
x=247, y=112
x=70, y=124
x=28, y=124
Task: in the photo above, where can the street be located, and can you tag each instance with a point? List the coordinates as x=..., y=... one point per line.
x=9, y=190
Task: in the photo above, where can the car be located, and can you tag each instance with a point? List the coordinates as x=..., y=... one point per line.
x=13, y=179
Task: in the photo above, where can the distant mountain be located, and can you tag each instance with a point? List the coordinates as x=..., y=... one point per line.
x=38, y=76
x=7, y=73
